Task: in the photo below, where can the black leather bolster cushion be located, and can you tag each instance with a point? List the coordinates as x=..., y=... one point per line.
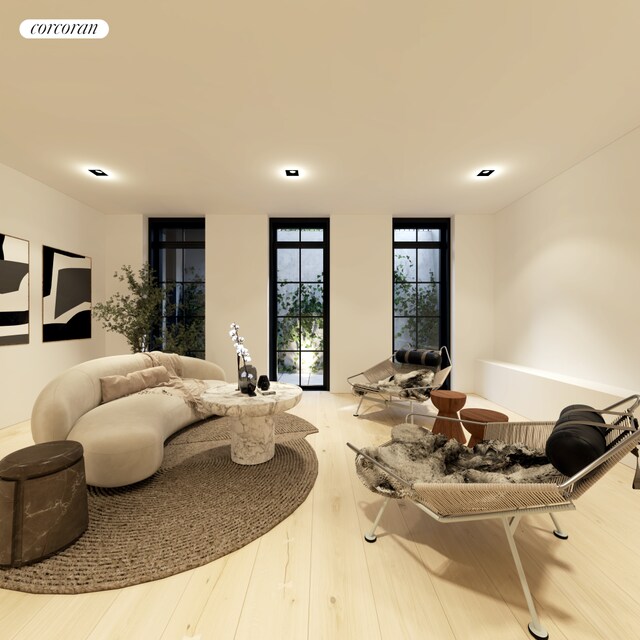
x=426, y=357
x=571, y=447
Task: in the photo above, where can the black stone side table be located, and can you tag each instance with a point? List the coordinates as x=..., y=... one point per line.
x=43, y=501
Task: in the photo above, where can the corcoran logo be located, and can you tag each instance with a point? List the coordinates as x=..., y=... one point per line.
x=56, y=29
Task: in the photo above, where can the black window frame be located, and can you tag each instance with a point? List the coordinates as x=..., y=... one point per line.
x=276, y=224
x=444, y=244
x=155, y=226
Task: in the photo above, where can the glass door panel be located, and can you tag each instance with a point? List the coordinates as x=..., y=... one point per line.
x=299, y=313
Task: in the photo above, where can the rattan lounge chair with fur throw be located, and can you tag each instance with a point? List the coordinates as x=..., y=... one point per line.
x=520, y=468
x=408, y=375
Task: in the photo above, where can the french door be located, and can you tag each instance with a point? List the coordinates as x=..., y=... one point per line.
x=299, y=302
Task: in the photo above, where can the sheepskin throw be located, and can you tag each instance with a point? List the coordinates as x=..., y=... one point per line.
x=413, y=384
x=417, y=455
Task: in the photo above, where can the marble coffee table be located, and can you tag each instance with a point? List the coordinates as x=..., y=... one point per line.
x=252, y=426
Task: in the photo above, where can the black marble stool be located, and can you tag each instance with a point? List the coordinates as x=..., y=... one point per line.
x=43, y=501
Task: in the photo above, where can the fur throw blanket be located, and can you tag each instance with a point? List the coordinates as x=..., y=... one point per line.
x=414, y=384
x=417, y=455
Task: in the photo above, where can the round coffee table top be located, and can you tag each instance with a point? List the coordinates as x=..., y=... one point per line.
x=227, y=400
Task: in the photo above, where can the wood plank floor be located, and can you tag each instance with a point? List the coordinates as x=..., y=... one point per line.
x=314, y=577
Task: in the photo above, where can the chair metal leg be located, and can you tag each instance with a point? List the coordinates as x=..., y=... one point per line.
x=359, y=405
x=558, y=532
x=535, y=627
x=371, y=536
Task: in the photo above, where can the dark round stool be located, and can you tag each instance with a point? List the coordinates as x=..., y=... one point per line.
x=43, y=501
x=479, y=415
x=448, y=403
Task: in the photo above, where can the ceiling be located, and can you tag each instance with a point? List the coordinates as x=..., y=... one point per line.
x=196, y=107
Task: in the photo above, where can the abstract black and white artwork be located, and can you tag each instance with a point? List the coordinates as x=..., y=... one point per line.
x=14, y=290
x=66, y=295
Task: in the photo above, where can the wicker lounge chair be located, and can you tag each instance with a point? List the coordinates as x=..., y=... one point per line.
x=452, y=502
x=368, y=383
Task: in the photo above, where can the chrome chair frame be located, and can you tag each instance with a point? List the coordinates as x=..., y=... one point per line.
x=365, y=383
x=447, y=503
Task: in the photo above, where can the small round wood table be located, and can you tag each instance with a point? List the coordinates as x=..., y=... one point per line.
x=448, y=403
x=479, y=415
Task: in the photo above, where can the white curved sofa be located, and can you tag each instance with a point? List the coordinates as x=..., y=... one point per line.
x=123, y=439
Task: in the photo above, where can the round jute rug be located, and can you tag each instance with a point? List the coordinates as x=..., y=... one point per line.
x=198, y=507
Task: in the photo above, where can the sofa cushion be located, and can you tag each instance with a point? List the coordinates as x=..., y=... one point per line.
x=573, y=444
x=114, y=387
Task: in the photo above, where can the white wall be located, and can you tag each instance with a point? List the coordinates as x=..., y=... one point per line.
x=126, y=243
x=472, y=315
x=361, y=295
x=567, y=266
x=43, y=216
x=360, y=292
x=237, y=286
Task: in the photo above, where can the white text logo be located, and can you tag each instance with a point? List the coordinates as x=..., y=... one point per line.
x=55, y=29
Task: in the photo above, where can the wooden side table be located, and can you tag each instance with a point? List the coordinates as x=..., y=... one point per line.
x=448, y=403
x=479, y=415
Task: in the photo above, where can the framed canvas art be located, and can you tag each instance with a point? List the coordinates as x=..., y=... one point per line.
x=14, y=290
x=66, y=295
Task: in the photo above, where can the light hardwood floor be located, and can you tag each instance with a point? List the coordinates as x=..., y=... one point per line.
x=314, y=577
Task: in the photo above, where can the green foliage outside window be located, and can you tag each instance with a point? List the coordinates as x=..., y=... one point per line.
x=183, y=327
x=302, y=306
x=148, y=317
x=418, y=305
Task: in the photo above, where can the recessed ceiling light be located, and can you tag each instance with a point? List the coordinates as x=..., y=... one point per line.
x=292, y=173
x=485, y=172
x=99, y=172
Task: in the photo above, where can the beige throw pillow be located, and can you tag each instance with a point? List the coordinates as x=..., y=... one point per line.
x=114, y=387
